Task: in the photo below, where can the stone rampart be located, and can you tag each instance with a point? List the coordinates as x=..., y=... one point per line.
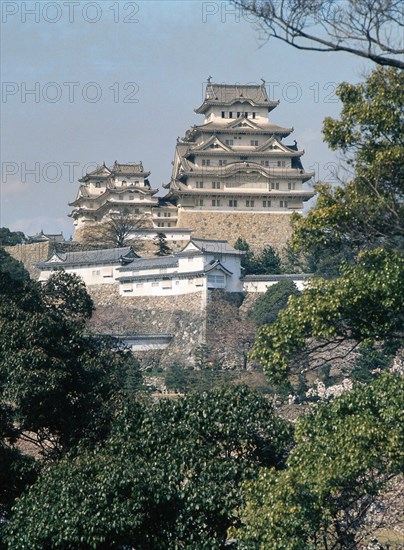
x=182, y=316
x=259, y=229
x=30, y=254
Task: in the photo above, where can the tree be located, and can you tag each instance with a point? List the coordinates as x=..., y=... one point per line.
x=268, y=262
x=66, y=293
x=350, y=309
x=161, y=244
x=16, y=470
x=268, y=306
x=247, y=258
x=368, y=29
x=345, y=454
x=229, y=334
x=367, y=212
x=11, y=238
x=168, y=477
x=13, y=267
x=120, y=228
x=61, y=381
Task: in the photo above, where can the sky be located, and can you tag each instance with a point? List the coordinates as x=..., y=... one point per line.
x=88, y=82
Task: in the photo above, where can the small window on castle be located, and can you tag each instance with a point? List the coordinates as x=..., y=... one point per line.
x=222, y=162
x=292, y=185
x=254, y=114
x=121, y=197
x=206, y=162
x=131, y=197
x=254, y=142
x=238, y=114
x=266, y=203
x=198, y=202
x=215, y=184
x=283, y=204
x=123, y=182
x=231, y=114
x=275, y=185
x=223, y=114
x=229, y=141
x=245, y=115
x=199, y=184
x=281, y=163
x=233, y=202
x=249, y=203
x=98, y=184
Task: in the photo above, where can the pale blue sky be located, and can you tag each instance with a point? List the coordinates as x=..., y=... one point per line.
x=166, y=49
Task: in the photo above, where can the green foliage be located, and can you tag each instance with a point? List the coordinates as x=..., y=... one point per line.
x=268, y=306
x=11, y=238
x=345, y=453
x=368, y=211
x=16, y=470
x=66, y=293
x=13, y=267
x=267, y=262
x=169, y=477
x=160, y=241
x=61, y=381
x=369, y=364
x=364, y=304
x=247, y=263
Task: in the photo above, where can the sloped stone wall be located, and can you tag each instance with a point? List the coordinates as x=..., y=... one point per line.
x=259, y=229
x=182, y=316
x=30, y=254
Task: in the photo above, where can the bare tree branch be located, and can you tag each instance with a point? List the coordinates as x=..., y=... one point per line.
x=367, y=28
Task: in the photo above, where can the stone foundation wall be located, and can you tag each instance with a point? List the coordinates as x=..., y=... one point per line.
x=30, y=254
x=92, y=235
x=259, y=229
x=182, y=316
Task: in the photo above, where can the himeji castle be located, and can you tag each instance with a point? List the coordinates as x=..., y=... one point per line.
x=232, y=175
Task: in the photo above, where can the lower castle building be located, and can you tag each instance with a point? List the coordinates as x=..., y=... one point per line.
x=232, y=176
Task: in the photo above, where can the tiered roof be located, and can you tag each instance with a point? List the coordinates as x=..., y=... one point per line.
x=228, y=94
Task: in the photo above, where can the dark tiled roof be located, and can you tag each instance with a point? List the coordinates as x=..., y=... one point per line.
x=128, y=168
x=229, y=92
x=101, y=256
x=151, y=263
x=213, y=246
x=46, y=237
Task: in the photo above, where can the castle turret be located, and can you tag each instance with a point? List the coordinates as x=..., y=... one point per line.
x=233, y=175
x=106, y=192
